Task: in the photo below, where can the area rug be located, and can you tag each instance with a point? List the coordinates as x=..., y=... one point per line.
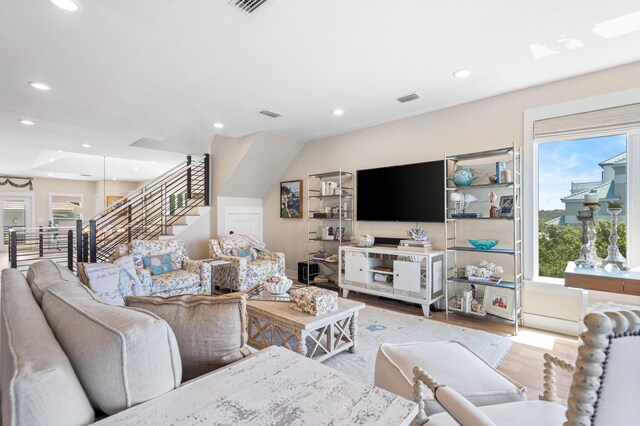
x=377, y=326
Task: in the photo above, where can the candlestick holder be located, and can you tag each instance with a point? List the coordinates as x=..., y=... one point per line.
x=591, y=232
x=587, y=257
x=614, y=257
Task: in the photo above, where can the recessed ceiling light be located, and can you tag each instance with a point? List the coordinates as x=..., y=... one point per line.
x=218, y=125
x=338, y=112
x=38, y=85
x=465, y=72
x=49, y=174
x=86, y=145
x=114, y=179
x=27, y=122
x=69, y=5
x=135, y=168
x=59, y=151
x=51, y=159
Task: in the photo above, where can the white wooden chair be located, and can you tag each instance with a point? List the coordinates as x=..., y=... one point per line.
x=605, y=389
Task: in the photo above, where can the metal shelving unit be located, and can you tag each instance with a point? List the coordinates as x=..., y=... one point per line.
x=341, y=217
x=454, y=239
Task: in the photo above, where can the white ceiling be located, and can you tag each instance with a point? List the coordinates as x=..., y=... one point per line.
x=163, y=72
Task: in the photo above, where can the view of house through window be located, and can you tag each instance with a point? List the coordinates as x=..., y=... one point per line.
x=567, y=171
x=65, y=210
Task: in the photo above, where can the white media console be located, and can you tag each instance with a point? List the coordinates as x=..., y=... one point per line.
x=406, y=275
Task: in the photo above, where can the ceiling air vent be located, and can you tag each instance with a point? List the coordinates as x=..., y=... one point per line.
x=248, y=6
x=270, y=113
x=408, y=98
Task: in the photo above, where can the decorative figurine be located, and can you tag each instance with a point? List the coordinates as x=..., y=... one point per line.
x=418, y=234
x=494, y=211
x=484, y=270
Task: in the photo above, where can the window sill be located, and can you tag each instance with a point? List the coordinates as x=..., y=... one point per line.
x=546, y=280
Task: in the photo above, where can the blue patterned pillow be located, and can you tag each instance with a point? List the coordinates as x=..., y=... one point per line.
x=249, y=252
x=160, y=263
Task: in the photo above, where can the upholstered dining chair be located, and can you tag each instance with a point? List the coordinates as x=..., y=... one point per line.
x=605, y=389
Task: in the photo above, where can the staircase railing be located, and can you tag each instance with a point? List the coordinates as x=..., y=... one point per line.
x=145, y=213
x=28, y=245
x=149, y=211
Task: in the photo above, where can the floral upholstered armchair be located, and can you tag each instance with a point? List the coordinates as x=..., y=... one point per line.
x=182, y=276
x=251, y=262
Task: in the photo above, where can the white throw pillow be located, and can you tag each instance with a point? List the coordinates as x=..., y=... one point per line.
x=112, y=282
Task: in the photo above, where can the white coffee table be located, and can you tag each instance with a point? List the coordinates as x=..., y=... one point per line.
x=272, y=387
x=275, y=323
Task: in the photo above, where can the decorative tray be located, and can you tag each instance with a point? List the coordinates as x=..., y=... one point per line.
x=259, y=293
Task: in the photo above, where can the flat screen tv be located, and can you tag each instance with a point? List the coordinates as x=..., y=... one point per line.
x=407, y=193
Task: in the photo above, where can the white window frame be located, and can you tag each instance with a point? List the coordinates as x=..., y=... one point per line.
x=65, y=194
x=531, y=177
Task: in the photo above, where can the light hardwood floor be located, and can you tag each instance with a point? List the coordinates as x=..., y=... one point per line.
x=523, y=362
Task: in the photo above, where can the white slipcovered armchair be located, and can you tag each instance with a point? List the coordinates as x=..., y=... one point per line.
x=604, y=390
x=247, y=272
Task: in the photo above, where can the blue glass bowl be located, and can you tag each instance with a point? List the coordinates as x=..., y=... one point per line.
x=484, y=244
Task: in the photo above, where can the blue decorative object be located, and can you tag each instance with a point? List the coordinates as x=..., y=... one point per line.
x=483, y=244
x=500, y=167
x=463, y=176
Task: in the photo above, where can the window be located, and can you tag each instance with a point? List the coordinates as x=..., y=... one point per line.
x=569, y=148
x=567, y=171
x=65, y=209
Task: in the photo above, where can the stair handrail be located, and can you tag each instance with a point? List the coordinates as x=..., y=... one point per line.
x=146, y=212
x=136, y=194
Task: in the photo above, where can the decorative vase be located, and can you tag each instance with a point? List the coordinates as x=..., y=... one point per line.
x=363, y=240
x=463, y=176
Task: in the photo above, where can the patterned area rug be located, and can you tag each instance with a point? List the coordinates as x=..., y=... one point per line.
x=377, y=326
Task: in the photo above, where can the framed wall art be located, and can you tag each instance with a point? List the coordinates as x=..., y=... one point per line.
x=291, y=199
x=499, y=302
x=506, y=206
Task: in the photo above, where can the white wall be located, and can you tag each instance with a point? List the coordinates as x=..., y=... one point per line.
x=243, y=170
x=112, y=188
x=481, y=125
x=196, y=238
x=88, y=189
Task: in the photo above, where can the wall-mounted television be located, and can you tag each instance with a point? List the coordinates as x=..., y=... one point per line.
x=406, y=193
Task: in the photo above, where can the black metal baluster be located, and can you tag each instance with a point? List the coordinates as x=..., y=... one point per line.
x=206, y=179
x=13, y=251
x=70, y=250
x=92, y=241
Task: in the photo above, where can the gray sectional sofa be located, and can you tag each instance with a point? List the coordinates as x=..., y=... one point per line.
x=69, y=359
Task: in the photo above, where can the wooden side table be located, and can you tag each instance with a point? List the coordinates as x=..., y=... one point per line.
x=275, y=323
x=221, y=269
x=623, y=282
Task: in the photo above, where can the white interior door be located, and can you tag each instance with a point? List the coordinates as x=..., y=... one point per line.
x=16, y=212
x=243, y=220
